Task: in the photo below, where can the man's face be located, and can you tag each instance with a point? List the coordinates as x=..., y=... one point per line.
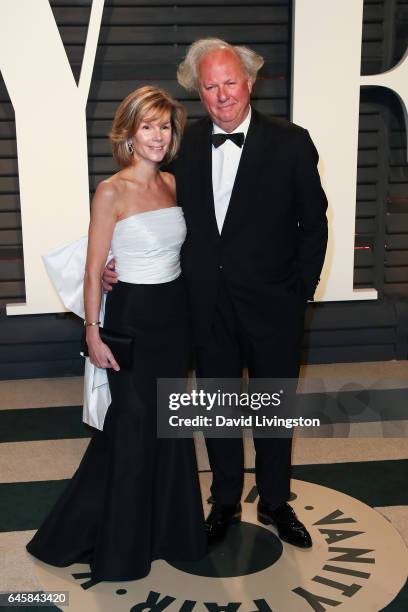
x=224, y=88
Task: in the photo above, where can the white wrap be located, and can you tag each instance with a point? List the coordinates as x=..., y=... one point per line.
x=66, y=266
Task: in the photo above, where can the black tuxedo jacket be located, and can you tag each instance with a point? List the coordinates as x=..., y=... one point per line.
x=274, y=236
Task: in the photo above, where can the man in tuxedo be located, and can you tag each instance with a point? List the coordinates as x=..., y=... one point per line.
x=256, y=240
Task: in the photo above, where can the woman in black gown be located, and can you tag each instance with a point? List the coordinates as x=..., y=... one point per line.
x=135, y=497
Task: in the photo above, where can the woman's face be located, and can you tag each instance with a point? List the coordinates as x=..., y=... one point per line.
x=152, y=138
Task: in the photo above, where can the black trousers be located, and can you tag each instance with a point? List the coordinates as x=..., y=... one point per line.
x=268, y=341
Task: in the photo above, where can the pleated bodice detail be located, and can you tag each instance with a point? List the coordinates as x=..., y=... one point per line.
x=146, y=246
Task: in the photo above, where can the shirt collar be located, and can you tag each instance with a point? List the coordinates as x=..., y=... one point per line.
x=243, y=127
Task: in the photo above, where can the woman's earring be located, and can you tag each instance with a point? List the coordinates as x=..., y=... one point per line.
x=130, y=147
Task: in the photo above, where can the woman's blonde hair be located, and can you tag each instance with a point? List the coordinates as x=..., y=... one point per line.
x=187, y=73
x=145, y=103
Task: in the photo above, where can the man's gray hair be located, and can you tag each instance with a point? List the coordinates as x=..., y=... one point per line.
x=187, y=73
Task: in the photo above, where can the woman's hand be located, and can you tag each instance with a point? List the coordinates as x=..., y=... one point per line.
x=100, y=354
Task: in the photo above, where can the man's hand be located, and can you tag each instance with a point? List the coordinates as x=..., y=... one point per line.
x=109, y=276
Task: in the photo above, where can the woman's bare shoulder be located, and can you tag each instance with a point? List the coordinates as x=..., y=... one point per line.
x=111, y=186
x=169, y=179
x=106, y=196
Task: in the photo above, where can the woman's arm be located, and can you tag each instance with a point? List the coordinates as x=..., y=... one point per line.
x=101, y=226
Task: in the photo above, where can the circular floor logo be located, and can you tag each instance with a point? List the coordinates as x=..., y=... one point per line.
x=357, y=562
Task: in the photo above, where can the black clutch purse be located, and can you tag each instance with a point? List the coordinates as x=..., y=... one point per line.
x=120, y=345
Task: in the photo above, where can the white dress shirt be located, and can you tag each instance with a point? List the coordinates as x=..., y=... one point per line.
x=225, y=162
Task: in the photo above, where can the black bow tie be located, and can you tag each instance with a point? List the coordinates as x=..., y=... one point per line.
x=236, y=137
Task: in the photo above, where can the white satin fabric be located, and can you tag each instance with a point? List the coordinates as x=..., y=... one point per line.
x=146, y=247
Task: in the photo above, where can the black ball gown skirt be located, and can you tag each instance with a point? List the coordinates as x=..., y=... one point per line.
x=134, y=497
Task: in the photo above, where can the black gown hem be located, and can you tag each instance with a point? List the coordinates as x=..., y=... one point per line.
x=52, y=562
x=168, y=559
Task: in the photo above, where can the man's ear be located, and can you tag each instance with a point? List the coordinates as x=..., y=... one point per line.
x=250, y=84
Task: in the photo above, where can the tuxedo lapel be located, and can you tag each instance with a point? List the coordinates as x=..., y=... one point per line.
x=245, y=180
x=201, y=178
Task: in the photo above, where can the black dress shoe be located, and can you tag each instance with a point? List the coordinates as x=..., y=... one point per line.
x=290, y=529
x=219, y=519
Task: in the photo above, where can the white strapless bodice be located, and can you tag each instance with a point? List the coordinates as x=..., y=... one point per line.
x=146, y=246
